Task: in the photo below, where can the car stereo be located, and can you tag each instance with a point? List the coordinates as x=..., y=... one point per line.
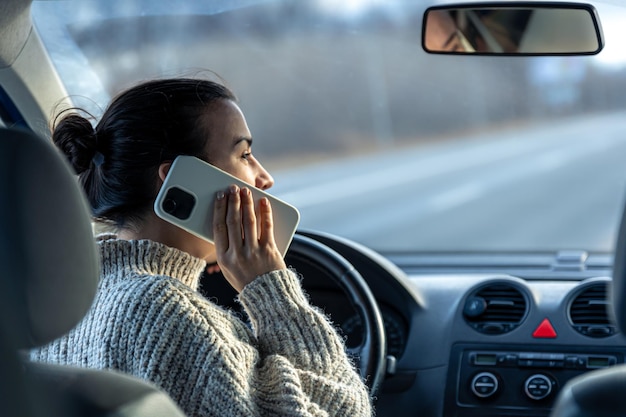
x=515, y=381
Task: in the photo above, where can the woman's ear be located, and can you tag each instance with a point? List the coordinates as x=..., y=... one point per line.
x=164, y=168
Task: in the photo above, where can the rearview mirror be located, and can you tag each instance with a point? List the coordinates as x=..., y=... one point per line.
x=512, y=29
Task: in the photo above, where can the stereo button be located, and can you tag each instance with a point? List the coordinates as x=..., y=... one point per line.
x=538, y=387
x=484, y=385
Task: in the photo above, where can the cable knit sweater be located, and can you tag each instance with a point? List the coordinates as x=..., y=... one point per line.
x=148, y=320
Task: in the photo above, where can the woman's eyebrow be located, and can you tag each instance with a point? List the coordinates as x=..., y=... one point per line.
x=242, y=139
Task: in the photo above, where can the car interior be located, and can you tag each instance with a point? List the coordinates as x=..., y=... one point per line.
x=501, y=321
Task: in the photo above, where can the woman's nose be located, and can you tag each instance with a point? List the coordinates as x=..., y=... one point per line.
x=263, y=179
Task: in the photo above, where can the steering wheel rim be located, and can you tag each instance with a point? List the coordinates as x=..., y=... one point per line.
x=372, y=351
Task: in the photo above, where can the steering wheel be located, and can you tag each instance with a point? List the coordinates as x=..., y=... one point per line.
x=307, y=254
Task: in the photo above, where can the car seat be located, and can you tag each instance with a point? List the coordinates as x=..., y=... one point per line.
x=49, y=273
x=601, y=393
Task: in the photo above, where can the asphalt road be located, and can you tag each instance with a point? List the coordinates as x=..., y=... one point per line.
x=555, y=186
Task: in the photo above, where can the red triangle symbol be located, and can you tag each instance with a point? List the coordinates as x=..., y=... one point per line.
x=544, y=330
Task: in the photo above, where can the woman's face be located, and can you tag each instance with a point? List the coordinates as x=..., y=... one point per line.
x=230, y=148
x=230, y=145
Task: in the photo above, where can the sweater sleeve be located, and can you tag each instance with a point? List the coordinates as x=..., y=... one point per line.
x=211, y=364
x=287, y=326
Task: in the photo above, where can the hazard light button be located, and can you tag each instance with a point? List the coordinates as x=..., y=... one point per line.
x=544, y=330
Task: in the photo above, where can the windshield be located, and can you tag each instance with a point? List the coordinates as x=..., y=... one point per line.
x=369, y=136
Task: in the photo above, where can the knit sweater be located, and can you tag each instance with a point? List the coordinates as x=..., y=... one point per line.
x=149, y=320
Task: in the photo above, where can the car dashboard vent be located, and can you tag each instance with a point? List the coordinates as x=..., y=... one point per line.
x=495, y=308
x=588, y=312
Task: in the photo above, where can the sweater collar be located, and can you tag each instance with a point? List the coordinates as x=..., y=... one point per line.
x=120, y=257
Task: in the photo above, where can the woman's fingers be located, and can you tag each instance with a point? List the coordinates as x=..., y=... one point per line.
x=220, y=231
x=267, y=222
x=233, y=218
x=248, y=217
x=243, y=253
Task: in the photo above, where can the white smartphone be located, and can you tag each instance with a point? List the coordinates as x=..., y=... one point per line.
x=187, y=199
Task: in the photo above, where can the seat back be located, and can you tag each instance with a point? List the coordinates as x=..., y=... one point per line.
x=49, y=275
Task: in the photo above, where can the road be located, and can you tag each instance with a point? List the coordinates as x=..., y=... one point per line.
x=556, y=186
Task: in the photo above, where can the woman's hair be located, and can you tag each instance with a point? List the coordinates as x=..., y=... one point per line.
x=117, y=161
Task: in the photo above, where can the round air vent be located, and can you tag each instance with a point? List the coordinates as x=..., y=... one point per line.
x=588, y=312
x=495, y=308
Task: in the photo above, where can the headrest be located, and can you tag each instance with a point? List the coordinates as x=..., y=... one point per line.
x=48, y=257
x=619, y=277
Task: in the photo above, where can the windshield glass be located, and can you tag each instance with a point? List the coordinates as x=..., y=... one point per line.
x=369, y=136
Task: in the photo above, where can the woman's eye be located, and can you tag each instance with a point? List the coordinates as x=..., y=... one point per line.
x=246, y=155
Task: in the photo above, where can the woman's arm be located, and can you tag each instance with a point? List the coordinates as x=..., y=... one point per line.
x=288, y=329
x=288, y=326
x=211, y=364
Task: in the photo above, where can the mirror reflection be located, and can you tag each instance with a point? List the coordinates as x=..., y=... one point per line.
x=533, y=30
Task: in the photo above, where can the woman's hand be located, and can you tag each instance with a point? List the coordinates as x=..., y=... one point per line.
x=244, y=250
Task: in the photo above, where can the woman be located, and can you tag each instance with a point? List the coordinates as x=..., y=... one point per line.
x=148, y=318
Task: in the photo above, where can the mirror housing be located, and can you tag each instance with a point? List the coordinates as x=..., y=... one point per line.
x=512, y=28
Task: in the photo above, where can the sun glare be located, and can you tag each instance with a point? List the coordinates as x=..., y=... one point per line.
x=613, y=56
x=350, y=8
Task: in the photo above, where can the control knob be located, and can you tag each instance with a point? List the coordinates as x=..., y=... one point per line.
x=484, y=385
x=538, y=386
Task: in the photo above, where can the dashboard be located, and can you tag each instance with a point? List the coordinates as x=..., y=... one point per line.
x=476, y=343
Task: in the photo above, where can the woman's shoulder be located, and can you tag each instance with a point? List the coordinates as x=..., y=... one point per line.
x=150, y=298
x=153, y=289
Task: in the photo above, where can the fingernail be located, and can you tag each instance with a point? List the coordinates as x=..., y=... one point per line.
x=220, y=195
x=244, y=191
x=234, y=189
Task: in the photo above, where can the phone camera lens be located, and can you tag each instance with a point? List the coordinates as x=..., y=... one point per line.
x=178, y=203
x=169, y=205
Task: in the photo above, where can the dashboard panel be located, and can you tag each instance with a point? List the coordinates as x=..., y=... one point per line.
x=473, y=344
x=485, y=343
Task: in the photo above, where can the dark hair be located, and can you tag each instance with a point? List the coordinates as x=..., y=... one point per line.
x=117, y=162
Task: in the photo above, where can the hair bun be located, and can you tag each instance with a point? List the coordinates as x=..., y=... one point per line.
x=76, y=138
